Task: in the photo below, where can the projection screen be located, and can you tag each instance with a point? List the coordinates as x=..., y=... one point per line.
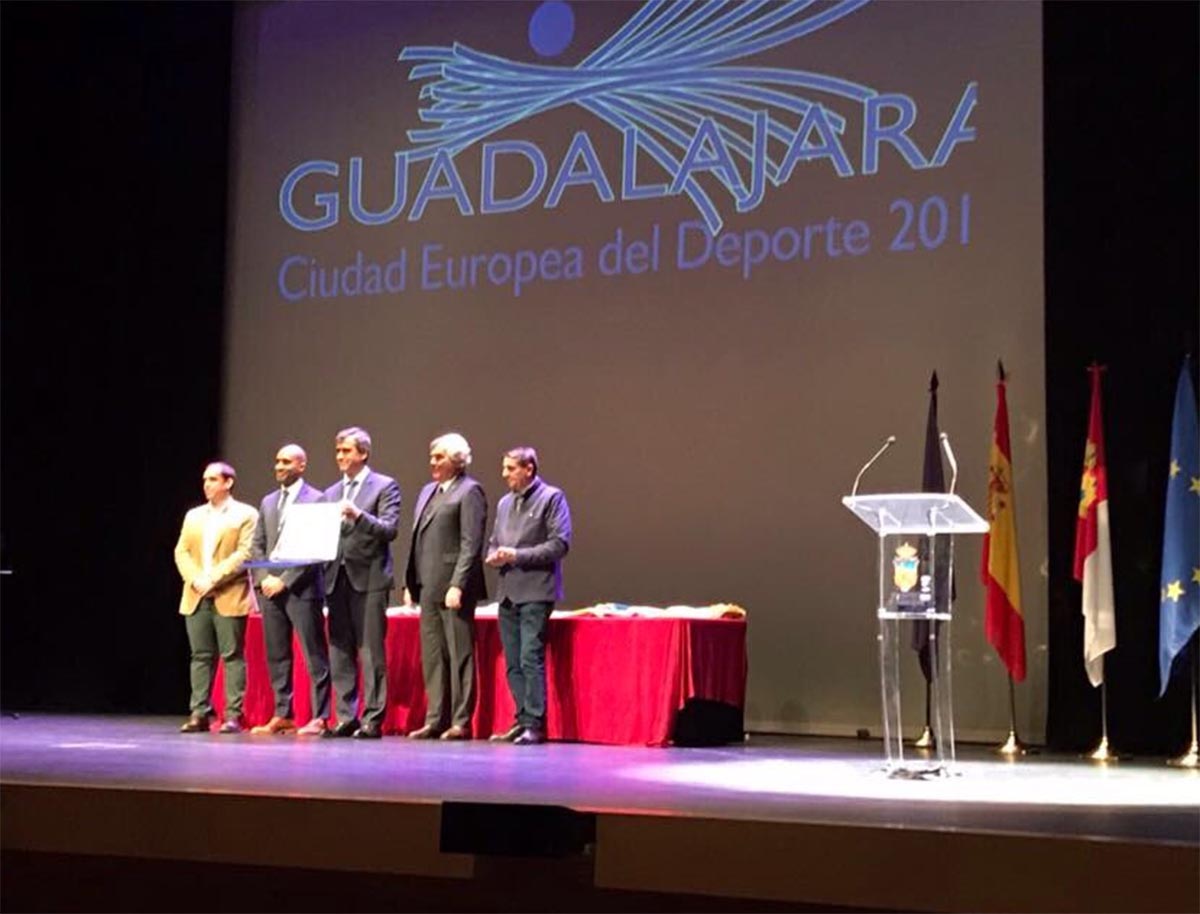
x=703, y=257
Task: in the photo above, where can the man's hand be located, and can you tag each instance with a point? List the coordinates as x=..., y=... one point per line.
x=454, y=598
x=350, y=511
x=407, y=598
x=501, y=556
x=202, y=585
x=273, y=586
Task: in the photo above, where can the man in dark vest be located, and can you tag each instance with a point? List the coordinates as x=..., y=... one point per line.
x=530, y=538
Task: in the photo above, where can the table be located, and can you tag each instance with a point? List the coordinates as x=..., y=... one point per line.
x=623, y=681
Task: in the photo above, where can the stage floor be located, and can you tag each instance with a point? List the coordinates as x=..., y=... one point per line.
x=816, y=787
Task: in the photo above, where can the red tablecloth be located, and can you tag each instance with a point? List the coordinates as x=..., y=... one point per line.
x=617, y=681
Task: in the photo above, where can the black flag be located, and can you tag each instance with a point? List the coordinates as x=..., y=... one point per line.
x=933, y=479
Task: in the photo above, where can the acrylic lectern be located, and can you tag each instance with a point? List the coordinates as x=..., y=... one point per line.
x=916, y=584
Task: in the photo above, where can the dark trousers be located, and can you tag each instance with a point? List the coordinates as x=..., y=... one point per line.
x=357, y=627
x=282, y=615
x=523, y=634
x=448, y=659
x=211, y=635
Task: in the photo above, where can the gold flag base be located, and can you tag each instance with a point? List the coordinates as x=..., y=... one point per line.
x=1013, y=747
x=1103, y=752
x=1189, y=759
x=925, y=740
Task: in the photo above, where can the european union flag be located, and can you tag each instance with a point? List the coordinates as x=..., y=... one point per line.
x=1179, y=610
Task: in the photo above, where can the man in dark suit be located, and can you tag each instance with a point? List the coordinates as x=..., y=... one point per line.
x=357, y=584
x=530, y=538
x=445, y=575
x=290, y=599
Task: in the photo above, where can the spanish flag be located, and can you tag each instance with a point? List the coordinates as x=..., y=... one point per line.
x=1004, y=621
x=1093, y=550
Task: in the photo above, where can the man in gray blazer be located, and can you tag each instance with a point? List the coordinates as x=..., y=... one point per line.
x=357, y=584
x=445, y=575
x=530, y=538
x=290, y=599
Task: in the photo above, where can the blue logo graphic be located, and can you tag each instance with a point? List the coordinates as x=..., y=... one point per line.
x=673, y=82
x=551, y=28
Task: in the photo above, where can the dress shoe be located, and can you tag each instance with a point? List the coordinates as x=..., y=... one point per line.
x=456, y=732
x=426, y=732
x=276, y=725
x=197, y=723
x=345, y=729
x=508, y=735
x=315, y=727
x=531, y=737
x=369, y=731
x=233, y=725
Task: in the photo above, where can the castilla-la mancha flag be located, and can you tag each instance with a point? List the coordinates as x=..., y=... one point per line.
x=1003, y=619
x=1093, y=550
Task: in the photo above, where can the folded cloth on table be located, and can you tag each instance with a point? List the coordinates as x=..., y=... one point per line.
x=607, y=611
x=629, y=611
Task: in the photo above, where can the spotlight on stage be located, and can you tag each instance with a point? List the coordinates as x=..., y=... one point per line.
x=1054, y=782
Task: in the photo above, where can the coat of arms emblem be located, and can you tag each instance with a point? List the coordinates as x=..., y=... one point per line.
x=904, y=567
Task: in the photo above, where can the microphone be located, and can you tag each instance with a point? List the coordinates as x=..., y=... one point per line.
x=866, y=466
x=950, y=456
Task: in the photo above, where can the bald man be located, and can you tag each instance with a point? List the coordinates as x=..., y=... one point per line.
x=214, y=544
x=291, y=599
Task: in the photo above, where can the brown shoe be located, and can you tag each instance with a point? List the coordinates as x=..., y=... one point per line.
x=315, y=727
x=456, y=732
x=275, y=726
x=426, y=732
x=197, y=723
x=508, y=735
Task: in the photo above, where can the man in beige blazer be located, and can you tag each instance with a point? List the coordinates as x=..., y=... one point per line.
x=213, y=547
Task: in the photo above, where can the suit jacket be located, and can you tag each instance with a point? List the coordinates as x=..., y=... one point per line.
x=540, y=532
x=364, y=545
x=306, y=581
x=447, y=543
x=231, y=584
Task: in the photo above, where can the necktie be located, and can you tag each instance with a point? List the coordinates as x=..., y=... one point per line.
x=283, y=493
x=347, y=495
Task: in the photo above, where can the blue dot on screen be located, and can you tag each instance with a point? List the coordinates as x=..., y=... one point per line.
x=551, y=28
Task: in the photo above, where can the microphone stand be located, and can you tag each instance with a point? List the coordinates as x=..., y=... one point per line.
x=891, y=439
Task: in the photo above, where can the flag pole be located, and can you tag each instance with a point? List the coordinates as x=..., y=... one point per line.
x=1178, y=624
x=1092, y=543
x=1103, y=752
x=1000, y=512
x=932, y=480
x=1191, y=758
x=1013, y=747
x=926, y=740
